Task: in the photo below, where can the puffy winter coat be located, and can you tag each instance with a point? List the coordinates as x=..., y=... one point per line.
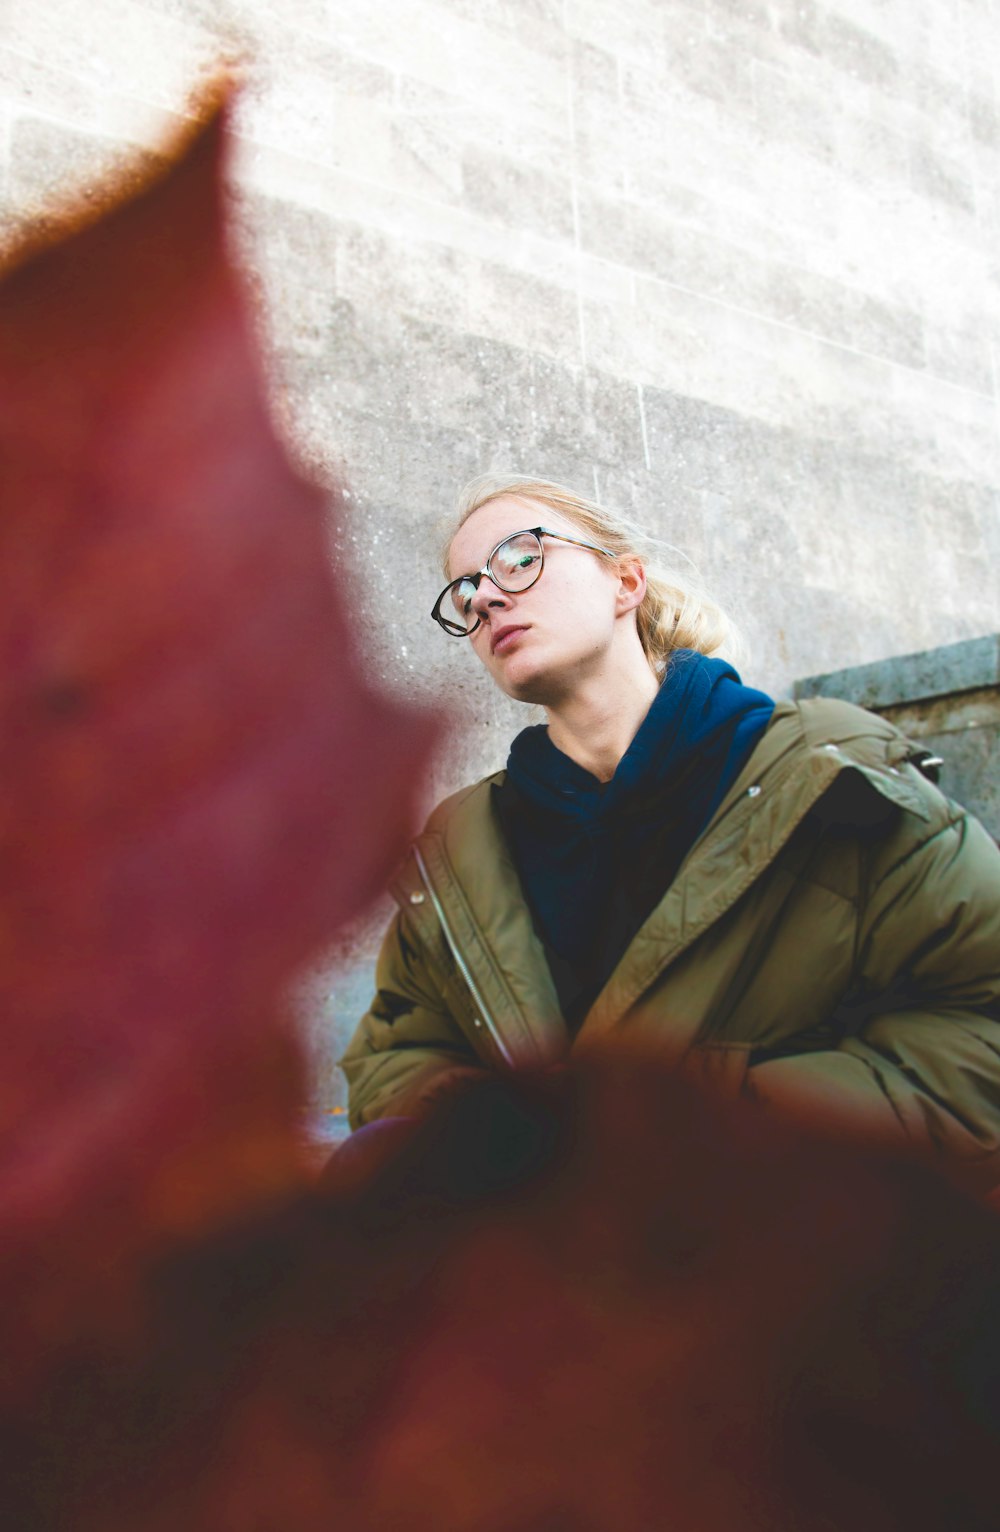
x=838, y=919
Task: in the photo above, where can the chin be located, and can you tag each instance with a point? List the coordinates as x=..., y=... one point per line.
x=522, y=690
x=529, y=683
x=519, y=681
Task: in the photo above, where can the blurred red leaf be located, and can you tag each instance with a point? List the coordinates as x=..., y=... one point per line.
x=597, y=1302
x=196, y=784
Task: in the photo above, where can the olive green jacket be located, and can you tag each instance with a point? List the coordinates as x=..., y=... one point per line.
x=838, y=918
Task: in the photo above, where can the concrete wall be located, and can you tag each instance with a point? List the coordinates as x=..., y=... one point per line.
x=731, y=264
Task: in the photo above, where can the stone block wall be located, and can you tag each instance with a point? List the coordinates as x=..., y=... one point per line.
x=728, y=264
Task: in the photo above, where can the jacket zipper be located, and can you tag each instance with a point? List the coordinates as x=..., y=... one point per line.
x=461, y=964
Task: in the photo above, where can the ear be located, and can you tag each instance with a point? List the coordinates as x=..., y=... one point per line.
x=631, y=585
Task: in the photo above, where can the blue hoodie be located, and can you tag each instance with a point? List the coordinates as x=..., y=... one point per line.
x=594, y=858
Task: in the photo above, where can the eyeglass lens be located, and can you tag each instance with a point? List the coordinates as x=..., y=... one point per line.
x=513, y=566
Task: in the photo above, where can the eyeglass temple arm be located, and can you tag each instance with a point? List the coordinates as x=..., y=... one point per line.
x=580, y=543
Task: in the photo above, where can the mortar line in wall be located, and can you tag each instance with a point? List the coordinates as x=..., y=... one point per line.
x=642, y=424
x=581, y=329
x=97, y=132
x=967, y=99
x=574, y=195
x=824, y=340
x=581, y=324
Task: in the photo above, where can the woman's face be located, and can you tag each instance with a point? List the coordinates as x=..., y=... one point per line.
x=541, y=643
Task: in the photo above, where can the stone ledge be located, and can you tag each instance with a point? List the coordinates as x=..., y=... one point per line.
x=970, y=665
x=948, y=700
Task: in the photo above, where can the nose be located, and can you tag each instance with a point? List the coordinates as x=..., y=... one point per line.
x=489, y=596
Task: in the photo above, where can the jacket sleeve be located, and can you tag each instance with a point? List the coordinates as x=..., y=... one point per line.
x=920, y=1062
x=409, y=1047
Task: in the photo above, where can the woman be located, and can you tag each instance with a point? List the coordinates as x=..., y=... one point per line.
x=773, y=895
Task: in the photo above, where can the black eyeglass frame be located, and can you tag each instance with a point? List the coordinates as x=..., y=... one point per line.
x=452, y=628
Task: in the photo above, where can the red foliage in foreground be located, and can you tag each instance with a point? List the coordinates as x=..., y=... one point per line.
x=596, y=1302
x=592, y=1301
x=196, y=786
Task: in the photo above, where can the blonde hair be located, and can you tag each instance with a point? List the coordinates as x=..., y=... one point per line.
x=675, y=612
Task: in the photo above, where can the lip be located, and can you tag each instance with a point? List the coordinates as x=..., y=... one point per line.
x=499, y=640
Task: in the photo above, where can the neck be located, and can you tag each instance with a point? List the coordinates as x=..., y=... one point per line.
x=595, y=725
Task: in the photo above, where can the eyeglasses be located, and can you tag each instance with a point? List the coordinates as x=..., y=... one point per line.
x=513, y=566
